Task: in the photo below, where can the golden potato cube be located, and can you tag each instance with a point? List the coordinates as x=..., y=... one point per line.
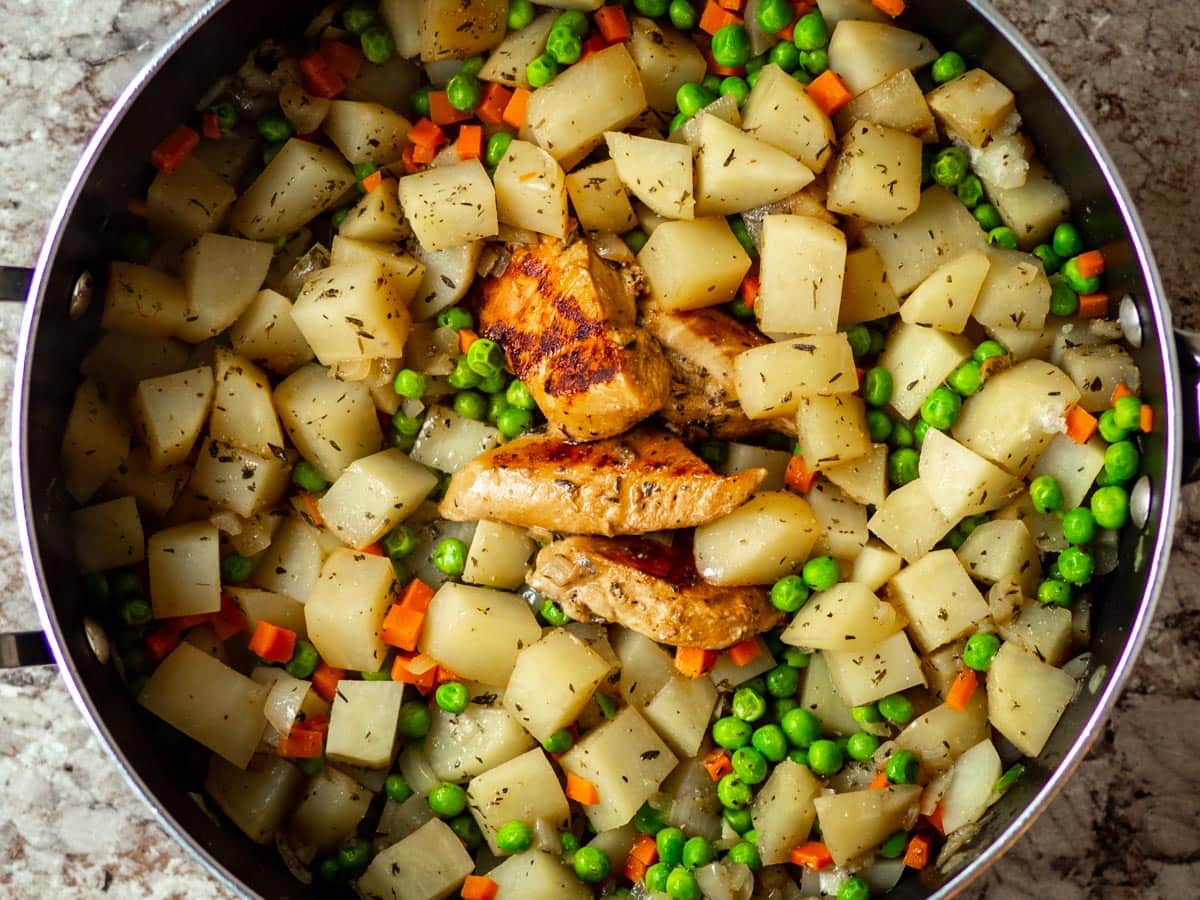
x=866, y=53
x=376, y=217
x=374, y=495
x=961, y=482
x=171, y=411
x=908, y=522
x=188, y=201
x=1002, y=549
x=108, y=535
x=350, y=312
x=863, y=479
x=659, y=173
x=531, y=190
x=939, y=598
x=896, y=102
x=1015, y=293
x=693, y=264
x=300, y=183
x=449, y=206
x=243, y=411
x=780, y=112
x=865, y=674
x=973, y=106
x=457, y=29
x=552, y=681
x=143, y=302
x=507, y=63
x=599, y=198
x=877, y=174
x=833, y=430
x=680, y=712
x=239, y=480
x=766, y=538
x=919, y=359
x=478, y=633
x=258, y=798
x=802, y=269
x=95, y=442
x=845, y=617
x=266, y=333
x=222, y=275
x=362, y=723
x=736, y=172
x=665, y=60
x=332, y=423
x=857, y=821
x=772, y=378
x=330, y=810
x=867, y=294
x=1034, y=209
x=429, y=864
x=366, y=132
x=538, y=875
x=1026, y=697
x=346, y=607
x=499, y=556
x=524, y=788
x=185, y=570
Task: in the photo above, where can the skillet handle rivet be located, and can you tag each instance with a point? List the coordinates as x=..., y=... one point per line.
x=1131, y=321
x=81, y=295
x=97, y=639
x=1140, y=500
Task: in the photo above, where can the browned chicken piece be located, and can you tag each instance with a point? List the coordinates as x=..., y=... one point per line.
x=643, y=481
x=567, y=322
x=701, y=346
x=644, y=586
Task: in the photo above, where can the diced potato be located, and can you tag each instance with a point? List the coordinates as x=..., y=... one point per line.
x=626, y=761
x=843, y=521
x=766, y=538
x=896, y=102
x=665, y=60
x=877, y=175
x=478, y=633
x=569, y=116
x=479, y=739
x=525, y=789
x=403, y=20
x=693, y=264
x=645, y=666
x=266, y=606
x=243, y=412
x=845, y=617
x=231, y=157
x=960, y=482
x=118, y=361
x=345, y=609
x=499, y=556
x=833, y=430
x=658, y=173
x=1044, y=631
x=1073, y=465
x=449, y=206
x=866, y=53
x=552, y=681
x=507, y=63
x=736, y=171
x=680, y=713
x=908, y=522
x=919, y=360
x=969, y=792
x=155, y=492
x=374, y=495
x=209, y=702
x=304, y=111
x=256, y=798
x=1097, y=371
x=740, y=457
x=834, y=11
x=222, y=275
x=1026, y=697
x=1002, y=549
x=171, y=411
x=1015, y=293
x=867, y=293
x=941, y=229
x=1046, y=528
x=772, y=379
x=332, y=423
x=185, y=570
x=531, y=190
x=865, y=674
x=724, y=108
x=188, y=201
x=537, y=875
x=448, y=441
x=855, y=822
x=362, y=723
x=599, y=198
x=405, y=272
x=330, y=810
x=457, y=29
x=366, y=132
x=945, y=299
x=267, y=333
x=376, y=217
x=820, y=696
x=1016, y=414
x=429, y=864
x=1023, y=345
x=300, y=183
x=939, y=599
x=292, y=563
x=803, y=265
x=875, y=565
x=448, y=276
x=783, y=811
x=864, y=479
x=238, y=480
x=143, y=302
x=727, y=674
x=108, y=535
x=943, y=734
x=942, y=667
x=973, y=107
x=1032, y=210
x=95, y=441
x=780, y=112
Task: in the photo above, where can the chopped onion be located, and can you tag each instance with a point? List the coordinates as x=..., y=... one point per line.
x=883, y=874
x=256, y=533
x=721, y=881
x=546, y=837
x=832, y=878
x=284, y=699
x=608, y=245
x=1078, y=667
x=316, y=259
x=417, y=770
x=399, y=820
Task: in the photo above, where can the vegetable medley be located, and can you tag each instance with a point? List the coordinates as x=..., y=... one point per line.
x=634, y=449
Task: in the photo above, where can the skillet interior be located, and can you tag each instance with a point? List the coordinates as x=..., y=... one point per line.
x=169, y=769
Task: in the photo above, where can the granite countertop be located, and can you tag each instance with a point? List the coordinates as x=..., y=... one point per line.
x=1127, y=823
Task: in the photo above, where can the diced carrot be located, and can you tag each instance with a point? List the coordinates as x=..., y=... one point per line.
x=417, y=595
x=466, y=337
x=715, y=17
x=612, y=23
x=732, y=5
x=748, y=291
x=302, y=743
x=917, y=854
x=442, y=112
x=325, y=680
x=211, y=127
x=273, y=643
x=1090, y=264
x=515, y=109
x=962, y=690
x=812, y=855
x=1121, y=390
x=408, y=159
x=319, y=724
x=1093, y=306
x=372, y=549
x=829, y=92
x=715, y=68
x=594, y=44
x=694, y=661
x=581, y=790
x=161, y=642
x=745, y=652
x=309, y=499
x=799, y=477
x=423, y=154
x=717, y=764
x=442, y=675
x=642, y=855
x=1146, y=418
x=319, y=78
x=402, y=627
x=470, y=142
x=892, y=8
x=879, y=782
x=137, y=208
x=174, y=149
x=634, y=869
x=228, y=620
x=789, y=33
x=1081, y=425
x=342, y=58
x=372, y=181
x=935, y=818
x=491, y=105
x=425, y=133
x=402, y=671
x=479, y=887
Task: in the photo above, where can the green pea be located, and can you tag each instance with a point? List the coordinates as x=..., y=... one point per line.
x=452, y=697
x=306, y=477
x=749, y=765
x=1110, y=506
x=520, y=14
x=541, y=70
x=355, y=855
x=731, y=46
x=1108, y=427
x=377, y=44
x=565, y=47
x=447, y=800
x=1051, y=261
x=821, y=573
x=1076, y=281
x=987, y=216
x=608, y=706
x=496, y=148
x=861, y=746
x=1054, y=592
x=399, y=542
x=1063, y=300
x=304, y=661
x=789, y=593
x=854, y=888
x=591, y=864
x=419, y=101
x=691, y=98
x=698, y=852
x=450, y=556
x=770, y=741
x=1066, y=241
x=799, y=756
x=572, y=21
x=897, y=709
x=514, y=422
x=748, y=704
x=514, y=837
x=135, y=611
x=471, y=405
x=784, y=54
x=740, y=820
x=363, y=170
x=226, y=116
x=635, y=240
x=774, y=15
x=947, y=67
x=712, y=84
x=966, y=379
x=1046, y=494
x=979, y=651
x=1076, y=566
x=901, y=437
x=652, y=8
x=941, y=408
x=814, y=62
x=970, y=191
x=950, y=167
x=457, y=318
x=902, y=466
x=648, y=819
x=795, y=658
x=357, y=18
x=801, y=727
x=746, y=854
x=1121, y=461
x=903, y=767
x=274, y=127
x=782, y=681
x=462, y=377
x=656, y=878
x=877, y=386
x=410, y=384
x=735, y=87
x=989, y=350
x=236, y=568
x=397, y=788
x=811, y=32
x=1003, y=237
x=920, y=429
x=467, y=830
x=866, y=715
x=1079, y=525
x=559, y=742
x=894, y=846
x=742, y=233
x=1127, y=414
x=670, y=843
x=415, y=720
x=825, y=757
x=733, y=793
x=517, y=395
x=406, y=426
x=97, y=592
x=859, y=338
x=569, y=842
x=553, y=614
x=485, y=357
x=682, y=885
x=879, y=426
x=682, y=14
x=1009, y=779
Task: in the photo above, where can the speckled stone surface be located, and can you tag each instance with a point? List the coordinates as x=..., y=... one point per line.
x=1128, y=825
